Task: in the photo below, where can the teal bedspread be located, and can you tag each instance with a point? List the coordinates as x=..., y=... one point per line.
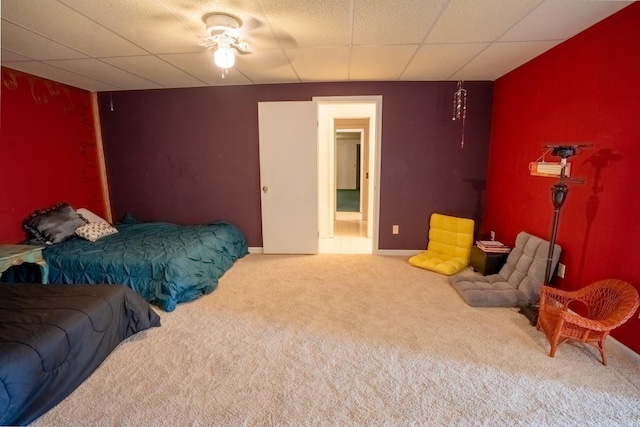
x=165, y=263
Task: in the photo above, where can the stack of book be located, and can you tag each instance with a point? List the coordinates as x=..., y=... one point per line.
x=493, y=246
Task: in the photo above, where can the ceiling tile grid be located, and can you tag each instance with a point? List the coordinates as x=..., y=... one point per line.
x=389, y=23
x=101, y=71
x=148, y=44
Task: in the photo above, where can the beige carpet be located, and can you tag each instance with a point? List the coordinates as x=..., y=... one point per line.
x=345, y=340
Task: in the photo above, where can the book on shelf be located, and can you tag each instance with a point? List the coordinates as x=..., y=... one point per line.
x=489, y=243
x=494, y=246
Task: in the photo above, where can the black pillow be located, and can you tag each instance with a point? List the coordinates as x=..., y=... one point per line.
x=53, y=225
x=129, y=219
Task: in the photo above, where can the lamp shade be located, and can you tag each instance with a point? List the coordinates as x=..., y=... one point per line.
x=224, y=57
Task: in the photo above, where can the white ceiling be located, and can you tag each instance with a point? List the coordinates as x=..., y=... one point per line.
x=104, y=45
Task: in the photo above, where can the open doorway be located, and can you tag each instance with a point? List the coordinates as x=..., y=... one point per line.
x=348, y=170
x=350, y=219
x=348, y=138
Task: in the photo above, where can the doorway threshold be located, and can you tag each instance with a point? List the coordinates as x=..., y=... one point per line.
x=345, y=245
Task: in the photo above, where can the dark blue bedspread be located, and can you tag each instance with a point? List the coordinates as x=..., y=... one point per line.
x=165, y=263
x=52, y=338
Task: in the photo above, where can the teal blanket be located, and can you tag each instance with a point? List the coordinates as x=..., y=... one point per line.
x=165, y=263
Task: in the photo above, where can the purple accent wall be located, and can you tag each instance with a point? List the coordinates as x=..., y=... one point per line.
x=191, y=155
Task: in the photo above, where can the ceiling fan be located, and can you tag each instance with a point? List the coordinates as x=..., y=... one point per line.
x=224, y=35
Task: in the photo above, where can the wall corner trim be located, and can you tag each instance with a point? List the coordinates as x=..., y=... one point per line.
x=101, y=159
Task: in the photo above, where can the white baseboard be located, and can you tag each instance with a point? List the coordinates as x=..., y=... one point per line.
x=381, y=252
x=623, y=350
x=399, y=252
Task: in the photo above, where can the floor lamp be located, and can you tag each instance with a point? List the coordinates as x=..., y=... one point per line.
x=558, y=196
x=559, y=193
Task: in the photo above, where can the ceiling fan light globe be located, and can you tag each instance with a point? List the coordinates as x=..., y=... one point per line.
x=224, y=58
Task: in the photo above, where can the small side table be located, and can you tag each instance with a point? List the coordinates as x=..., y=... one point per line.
x=487, y=262
x=11, y=255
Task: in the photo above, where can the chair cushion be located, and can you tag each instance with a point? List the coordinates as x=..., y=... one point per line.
x=439, y=262
x=487, y=291
x=518, y=281
x=449, y=247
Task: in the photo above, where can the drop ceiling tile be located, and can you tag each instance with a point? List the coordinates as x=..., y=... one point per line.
x=266, y=66
x=59, y=75
x=541, y=24
x=379, y=62
x=441, y=61
x=500, y=58
x=147, y=24
x=384, y=22
x=100, y=71
x=305, y=31
x=310, y=23
x=63, y=24
x=156, y=70
x=471, y=21
x=321, y=63
x=201, y=66
x=32, y=45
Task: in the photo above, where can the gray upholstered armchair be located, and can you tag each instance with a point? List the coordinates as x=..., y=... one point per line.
x=517, y=283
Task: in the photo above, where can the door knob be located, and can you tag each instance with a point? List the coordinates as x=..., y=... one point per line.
x=265, y=188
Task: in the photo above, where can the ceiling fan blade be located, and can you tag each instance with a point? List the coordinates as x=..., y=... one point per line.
x=250, y=24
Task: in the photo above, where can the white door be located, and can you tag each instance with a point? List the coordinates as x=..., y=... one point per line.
x=288, y=177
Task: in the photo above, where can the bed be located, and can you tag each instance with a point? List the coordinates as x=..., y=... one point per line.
x=166, y=263
x=53, y=337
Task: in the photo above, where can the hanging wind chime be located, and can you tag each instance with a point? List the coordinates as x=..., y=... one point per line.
x=460, y=108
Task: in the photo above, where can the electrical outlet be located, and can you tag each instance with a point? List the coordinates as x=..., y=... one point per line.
x=493, y=235
x=396, y=229
x=561, y=269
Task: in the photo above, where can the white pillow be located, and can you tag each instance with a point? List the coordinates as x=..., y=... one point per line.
x=95, y=230
x=90, y=216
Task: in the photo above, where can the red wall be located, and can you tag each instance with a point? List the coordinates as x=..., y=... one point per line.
x=47, y=148
x=586, y=90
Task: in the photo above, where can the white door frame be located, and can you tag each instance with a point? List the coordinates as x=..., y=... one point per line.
x=346, y=107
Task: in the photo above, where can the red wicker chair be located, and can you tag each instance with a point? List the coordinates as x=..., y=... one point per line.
x=609, y=303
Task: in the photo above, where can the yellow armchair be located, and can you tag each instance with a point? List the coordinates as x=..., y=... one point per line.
x=449, y=247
